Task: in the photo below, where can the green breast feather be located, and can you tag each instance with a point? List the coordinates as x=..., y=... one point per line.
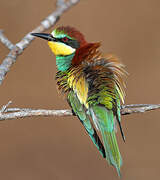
x=64, y=62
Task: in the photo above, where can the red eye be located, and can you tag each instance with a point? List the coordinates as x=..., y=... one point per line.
x=65, y=39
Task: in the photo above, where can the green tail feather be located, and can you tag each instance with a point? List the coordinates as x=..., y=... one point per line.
x=106, y=126
x=80, y=111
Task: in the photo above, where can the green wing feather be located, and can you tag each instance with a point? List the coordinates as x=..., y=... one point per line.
x=105, y=111
x=80, y=111
x=106, y=125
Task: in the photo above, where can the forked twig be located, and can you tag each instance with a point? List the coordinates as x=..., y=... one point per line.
x=17, y=49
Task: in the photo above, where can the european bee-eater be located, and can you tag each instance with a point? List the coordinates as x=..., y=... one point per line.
x=94, y=87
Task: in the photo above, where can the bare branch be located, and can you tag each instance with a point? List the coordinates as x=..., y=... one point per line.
x=138, y=108
x=16, y=50
x=5, y=40
x=14, y=113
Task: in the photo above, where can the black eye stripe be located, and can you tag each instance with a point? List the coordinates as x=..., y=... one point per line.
x=70, y=42
x=62, y=40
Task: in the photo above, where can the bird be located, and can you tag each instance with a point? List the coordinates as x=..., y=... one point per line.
x=93, y=83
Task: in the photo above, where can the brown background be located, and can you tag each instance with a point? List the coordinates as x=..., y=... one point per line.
x=58, y=148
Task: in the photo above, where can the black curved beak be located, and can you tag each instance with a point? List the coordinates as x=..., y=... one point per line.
x=45, y=36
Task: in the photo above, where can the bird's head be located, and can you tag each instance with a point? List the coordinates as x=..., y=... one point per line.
x=64, y=40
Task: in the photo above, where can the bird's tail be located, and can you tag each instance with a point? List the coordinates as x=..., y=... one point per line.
x=106, y=125
x=81, y=113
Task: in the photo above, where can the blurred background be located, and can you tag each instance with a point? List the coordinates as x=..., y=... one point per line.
x=56, y=147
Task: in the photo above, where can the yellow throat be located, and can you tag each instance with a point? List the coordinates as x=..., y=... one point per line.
x=60, y=49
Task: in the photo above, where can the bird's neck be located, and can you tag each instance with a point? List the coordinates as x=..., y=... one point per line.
x=64, y=62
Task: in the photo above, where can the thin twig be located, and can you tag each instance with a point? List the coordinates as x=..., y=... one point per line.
x=16, y=50
x=14, y=113
x=6, y=41
x=4, y=107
